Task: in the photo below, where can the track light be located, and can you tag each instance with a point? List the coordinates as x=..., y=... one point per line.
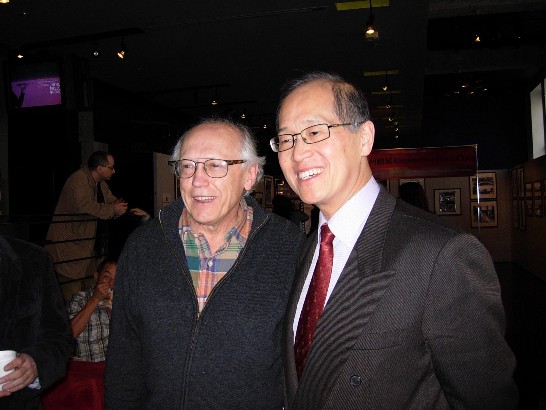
x=477, y=39
x=122, y=50
x=371, y=33
x=243, y=116
x=215, y=99
x=4, y=1
x=95, y=51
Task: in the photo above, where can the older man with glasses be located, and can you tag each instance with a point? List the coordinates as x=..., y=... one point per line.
x=202, y=289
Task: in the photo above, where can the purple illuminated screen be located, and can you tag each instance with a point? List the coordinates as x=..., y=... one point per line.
x=36, y=85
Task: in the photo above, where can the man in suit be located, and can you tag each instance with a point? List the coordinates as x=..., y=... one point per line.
x=412, y=313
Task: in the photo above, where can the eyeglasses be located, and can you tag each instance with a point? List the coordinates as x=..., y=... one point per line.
x=310, y=135
x=214, y=168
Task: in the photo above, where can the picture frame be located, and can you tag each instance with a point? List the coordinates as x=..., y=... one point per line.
x=484, y=214
x=483, y=185
x=520, y=182
x=537, y=198
x=447, y=201
x=529, y=208
x=268, y=191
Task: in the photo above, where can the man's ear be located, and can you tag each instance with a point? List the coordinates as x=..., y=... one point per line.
x=366, y=133
x=251, y=174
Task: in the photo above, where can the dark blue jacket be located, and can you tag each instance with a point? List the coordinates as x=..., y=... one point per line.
x=163, y=356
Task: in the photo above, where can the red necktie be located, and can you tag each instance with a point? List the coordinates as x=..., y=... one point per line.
x=314, y=301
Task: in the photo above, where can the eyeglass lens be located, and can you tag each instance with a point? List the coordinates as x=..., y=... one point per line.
x=310, y=135
x=214, y=168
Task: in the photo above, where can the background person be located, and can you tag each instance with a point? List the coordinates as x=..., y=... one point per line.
x=85, y=192
x=34, y=324
x=414, y=194
x=89, y=313
x=412, y=315
x=201, y=290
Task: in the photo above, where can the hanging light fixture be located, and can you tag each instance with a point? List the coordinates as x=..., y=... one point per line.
x=371, y=33
x=122, y=50
x=4, y=1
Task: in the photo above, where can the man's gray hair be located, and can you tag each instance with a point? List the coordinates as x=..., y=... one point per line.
x=249, y=149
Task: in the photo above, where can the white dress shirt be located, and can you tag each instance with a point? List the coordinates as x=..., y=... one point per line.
x=346, y=224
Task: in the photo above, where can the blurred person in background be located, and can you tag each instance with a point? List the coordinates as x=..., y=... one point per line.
x=85, y=192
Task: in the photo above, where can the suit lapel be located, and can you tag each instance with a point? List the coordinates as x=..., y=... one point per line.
x=357, y=293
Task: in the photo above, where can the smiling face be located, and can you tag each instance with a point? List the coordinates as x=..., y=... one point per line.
x=329, y=172
x=213, y=203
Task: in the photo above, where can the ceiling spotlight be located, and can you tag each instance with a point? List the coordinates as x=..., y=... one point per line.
x=477, y=39
x=215, y=99
x=4, y=1
x=20, y=56
x=371, y=33
x=95, y=52
x=243, y=116
x=265, y=126
x=122, y=50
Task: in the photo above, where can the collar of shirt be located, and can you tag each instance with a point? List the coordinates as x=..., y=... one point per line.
x=240, y=231
x=357, y=209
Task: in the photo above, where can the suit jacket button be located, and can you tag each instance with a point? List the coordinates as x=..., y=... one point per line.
x=356, y=381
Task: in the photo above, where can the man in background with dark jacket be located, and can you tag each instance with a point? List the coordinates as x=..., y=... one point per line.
x=34, y=324
x=201, y=291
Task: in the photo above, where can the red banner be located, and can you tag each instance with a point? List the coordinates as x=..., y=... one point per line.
x=424, y=162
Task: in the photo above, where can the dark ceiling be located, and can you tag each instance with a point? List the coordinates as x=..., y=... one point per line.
x=184, y=54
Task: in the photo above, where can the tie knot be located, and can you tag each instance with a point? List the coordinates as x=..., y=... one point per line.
x=326, y=235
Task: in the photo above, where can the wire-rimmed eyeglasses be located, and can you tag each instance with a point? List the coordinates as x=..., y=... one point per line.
x=310, y=135
x=214, y=168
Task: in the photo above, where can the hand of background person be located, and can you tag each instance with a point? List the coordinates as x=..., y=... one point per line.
x=25, y=373
x=138, y=212
x=120, y=207
x=102, y=291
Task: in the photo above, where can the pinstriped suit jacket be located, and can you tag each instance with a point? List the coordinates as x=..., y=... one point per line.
x=414, y=322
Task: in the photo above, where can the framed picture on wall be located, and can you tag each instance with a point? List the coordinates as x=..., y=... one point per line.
x=529, y=209
x=537, y=198
x=268, y=191
x=483, y=185
x=447, y=201
x=484, y=214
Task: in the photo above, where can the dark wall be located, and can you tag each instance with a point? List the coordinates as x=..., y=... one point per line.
x=497, y=122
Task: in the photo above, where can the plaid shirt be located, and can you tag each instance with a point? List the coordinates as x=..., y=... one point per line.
x=92, y=343
x=208, y=269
